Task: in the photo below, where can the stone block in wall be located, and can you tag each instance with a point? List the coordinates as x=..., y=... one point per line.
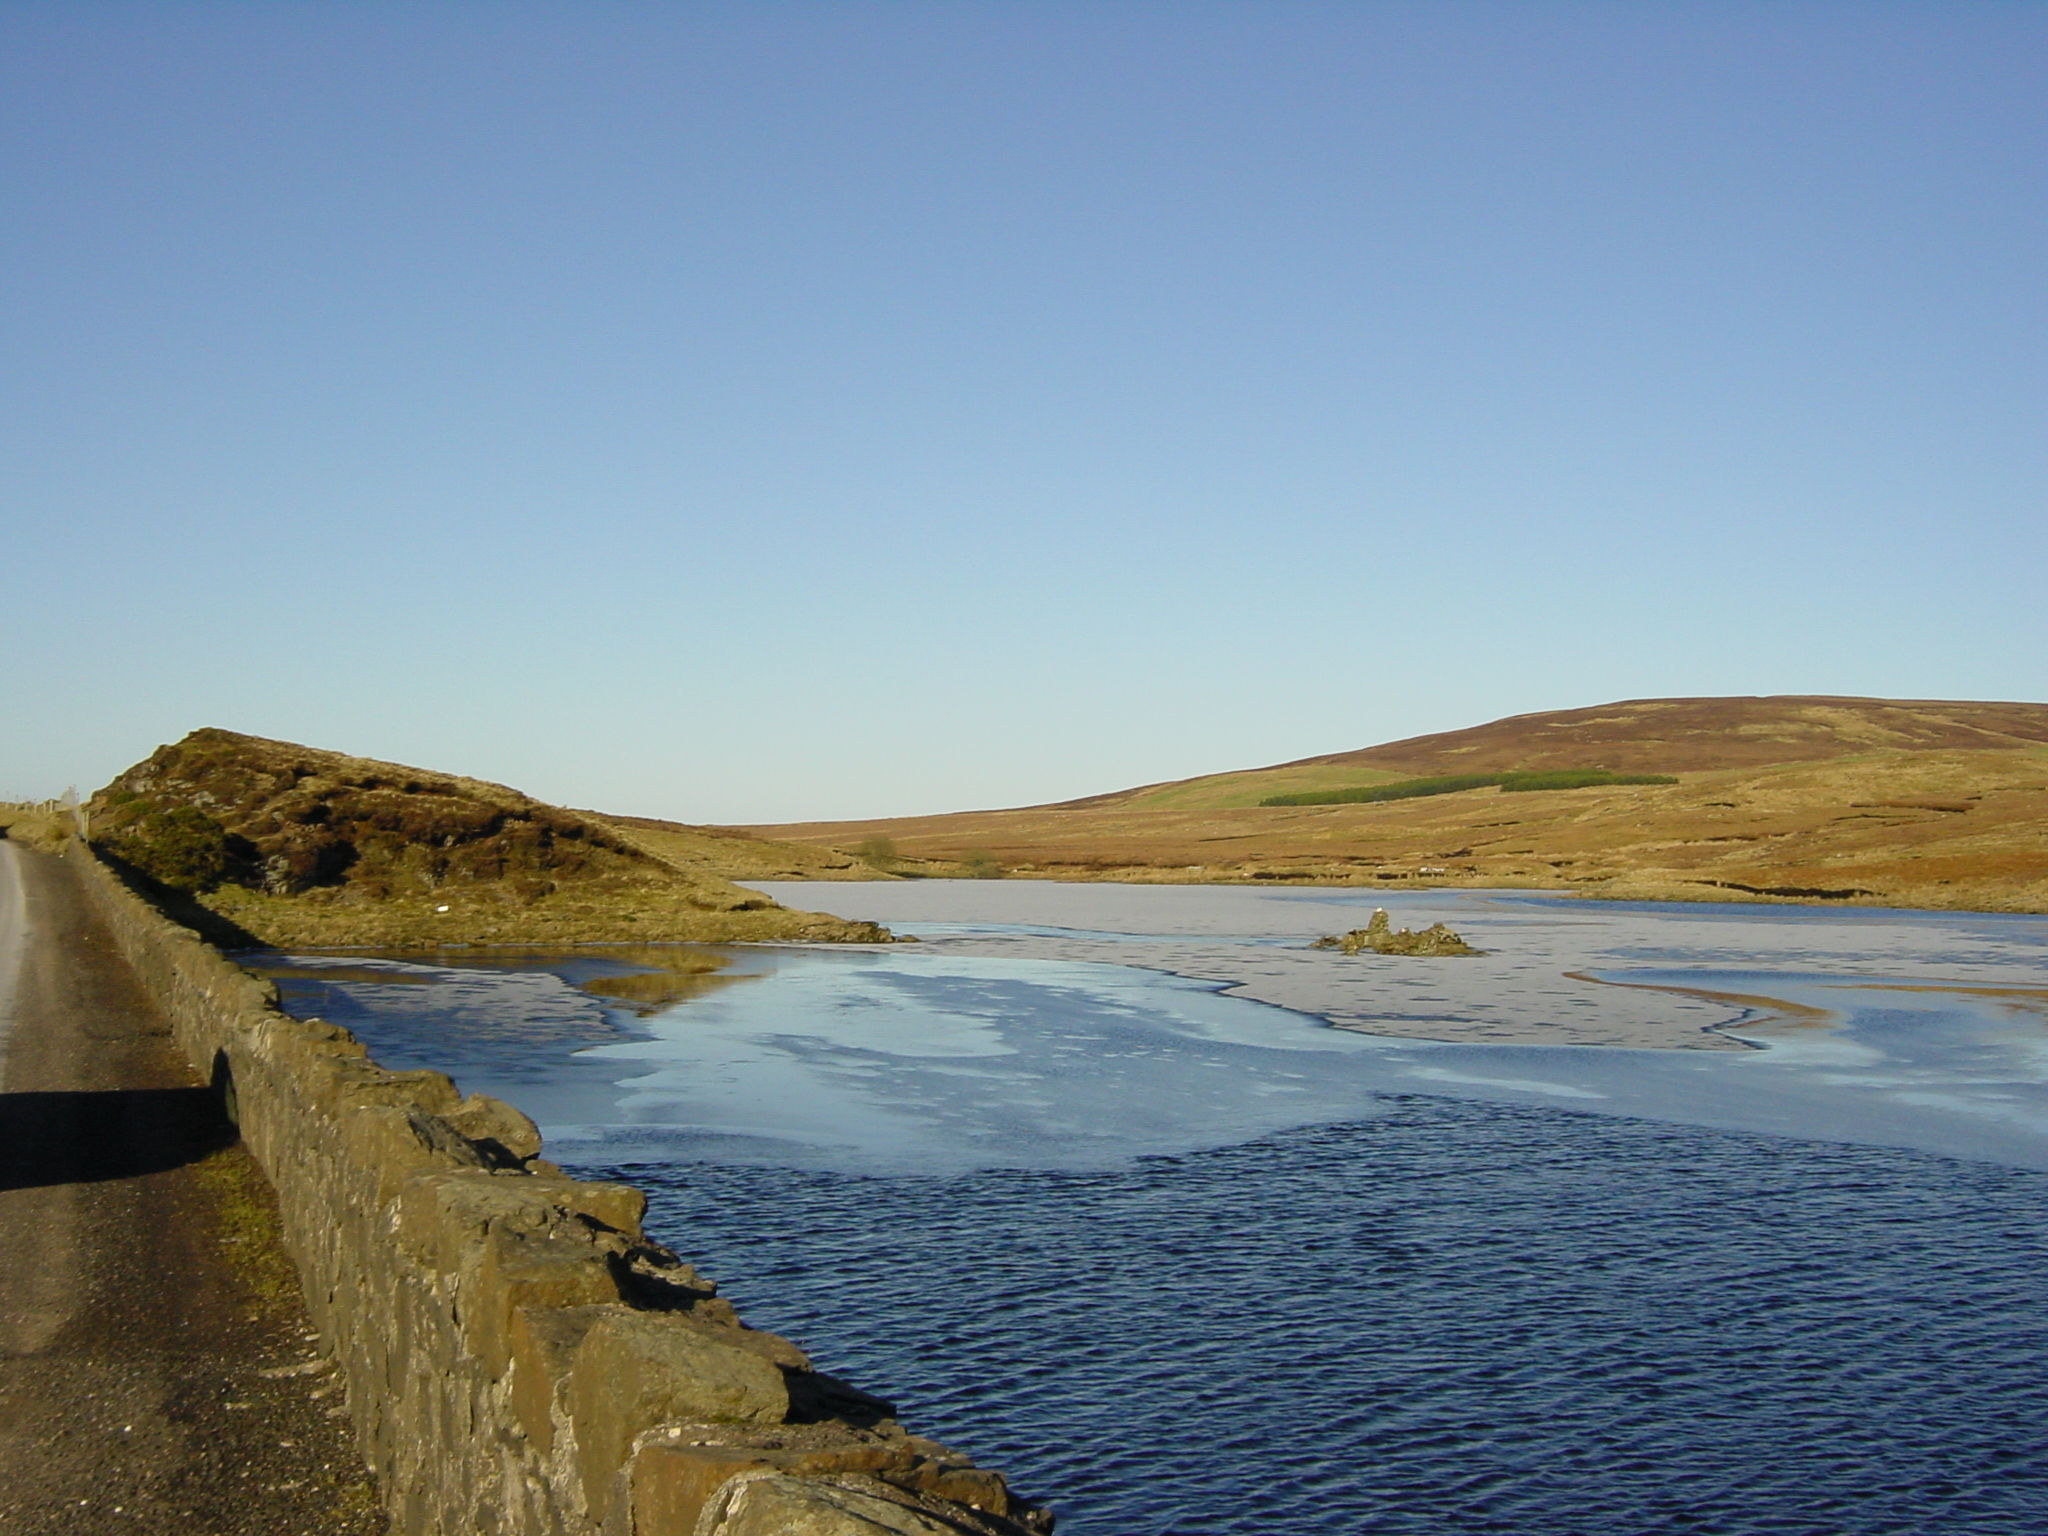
x=672, y=1480
x=496, y=1125
x=677, y=1470
x=522, y=1264
x=384, y=1146
x=542, y=1342
x=618, y=1207
x=364, y=1082
x=636, y=1370
x=771, y=1503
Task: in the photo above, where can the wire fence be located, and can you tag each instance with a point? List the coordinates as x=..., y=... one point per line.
x=66, y=804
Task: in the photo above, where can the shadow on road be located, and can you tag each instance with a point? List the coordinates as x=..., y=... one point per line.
x=84, y=1138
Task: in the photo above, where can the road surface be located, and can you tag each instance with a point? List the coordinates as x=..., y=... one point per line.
x=157, y=1373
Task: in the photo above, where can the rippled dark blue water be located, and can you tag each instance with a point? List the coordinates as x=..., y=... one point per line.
x=1458, y=1318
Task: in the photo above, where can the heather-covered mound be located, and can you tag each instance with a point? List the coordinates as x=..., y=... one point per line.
x=295, y=846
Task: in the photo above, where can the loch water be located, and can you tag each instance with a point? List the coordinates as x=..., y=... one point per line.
x=1453, y=1317
x=1183, y=1264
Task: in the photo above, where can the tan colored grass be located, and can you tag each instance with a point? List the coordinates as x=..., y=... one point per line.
x=1872, y=823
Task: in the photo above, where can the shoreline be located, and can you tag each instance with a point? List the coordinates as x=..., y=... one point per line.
x=1674, y=894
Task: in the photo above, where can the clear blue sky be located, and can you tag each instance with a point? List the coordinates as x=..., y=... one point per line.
x=758, y=411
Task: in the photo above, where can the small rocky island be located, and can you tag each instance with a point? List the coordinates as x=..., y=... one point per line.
x=1380, y=937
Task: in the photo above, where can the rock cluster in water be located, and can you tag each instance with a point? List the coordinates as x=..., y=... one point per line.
x=1382, y=938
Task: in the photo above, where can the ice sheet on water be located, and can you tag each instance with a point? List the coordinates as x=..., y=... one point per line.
x=907, y=1059
x=938, y=1059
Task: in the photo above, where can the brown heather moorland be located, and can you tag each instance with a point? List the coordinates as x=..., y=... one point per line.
x=258, y=841
x=1874, y=802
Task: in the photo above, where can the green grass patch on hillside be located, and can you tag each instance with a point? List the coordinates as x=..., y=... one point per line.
x=1249, y=787
x=1453, y=783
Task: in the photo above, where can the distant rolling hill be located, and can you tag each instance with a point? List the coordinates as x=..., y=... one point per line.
x=1809, y=798
x=1635, y=736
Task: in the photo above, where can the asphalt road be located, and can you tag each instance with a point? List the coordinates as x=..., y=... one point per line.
x=157, y=1373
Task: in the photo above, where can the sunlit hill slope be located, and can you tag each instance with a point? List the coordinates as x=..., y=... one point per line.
x=1803, y=798
x=271, y=842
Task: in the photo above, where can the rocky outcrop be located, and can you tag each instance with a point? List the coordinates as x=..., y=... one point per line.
x=294, y=846
x=1380, y=937
x=519, y=1358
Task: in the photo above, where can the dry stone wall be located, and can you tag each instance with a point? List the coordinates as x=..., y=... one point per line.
x=519, y=1359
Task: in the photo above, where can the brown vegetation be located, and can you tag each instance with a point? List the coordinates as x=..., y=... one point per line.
x=1381, y=937
x=1670, y=736
x=35, y=826
x=725, y=854
x=1871, y=802
x=288, y=845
